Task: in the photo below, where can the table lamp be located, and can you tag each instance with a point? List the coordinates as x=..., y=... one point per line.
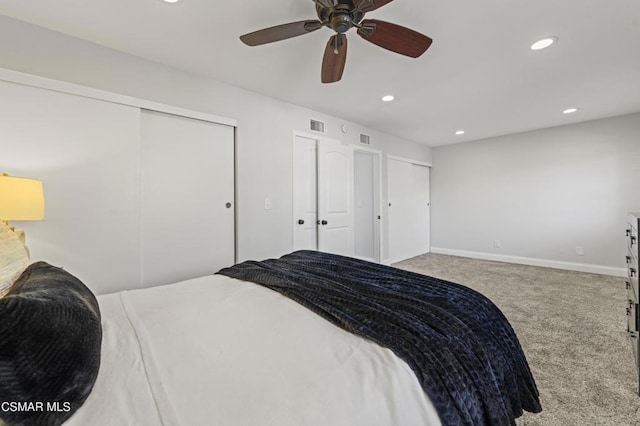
x=20, y=199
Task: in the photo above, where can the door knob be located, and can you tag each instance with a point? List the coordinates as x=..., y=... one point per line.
x=300, y=222
x=324, y=222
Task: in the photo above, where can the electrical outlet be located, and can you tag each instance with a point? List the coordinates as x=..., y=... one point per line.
x=579, y=251
x=497, y=244
x=267, y=204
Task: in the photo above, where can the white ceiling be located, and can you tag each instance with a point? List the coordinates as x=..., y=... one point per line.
x=479, y=75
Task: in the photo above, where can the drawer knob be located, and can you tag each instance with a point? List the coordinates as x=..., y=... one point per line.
x=632, y=272
x=627, y=285
x=628, y=258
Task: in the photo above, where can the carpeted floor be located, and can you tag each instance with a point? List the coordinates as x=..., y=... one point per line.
x=572, y=327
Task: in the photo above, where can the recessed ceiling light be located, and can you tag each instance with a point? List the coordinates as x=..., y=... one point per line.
x=569, y=110
x=171, y=1
x=388, y=98
x=460, y=132
x=544, y=43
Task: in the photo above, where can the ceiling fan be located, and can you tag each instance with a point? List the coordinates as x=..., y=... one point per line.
x=341, y=16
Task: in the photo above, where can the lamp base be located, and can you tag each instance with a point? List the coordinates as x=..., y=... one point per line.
x=21, y=237
x=20, y=234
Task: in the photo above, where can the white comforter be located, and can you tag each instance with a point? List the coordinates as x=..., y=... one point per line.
x=218, y=351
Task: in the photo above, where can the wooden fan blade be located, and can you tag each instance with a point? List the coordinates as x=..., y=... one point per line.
x=362, y=6
x=280, y=32
x=394, y=37
x=333, y=63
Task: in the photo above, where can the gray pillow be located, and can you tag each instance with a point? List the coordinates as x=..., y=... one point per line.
x=50, y=337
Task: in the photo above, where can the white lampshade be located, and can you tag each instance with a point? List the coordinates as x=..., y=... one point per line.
x=21, y=198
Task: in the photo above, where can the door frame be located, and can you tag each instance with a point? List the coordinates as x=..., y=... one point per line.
x=377, y=196
x=409, y=160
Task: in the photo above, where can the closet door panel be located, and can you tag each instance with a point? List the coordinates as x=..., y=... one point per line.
x=187, y=215
x=85, y=151
x=305, y=206
x=408, y=210
x=335, y=198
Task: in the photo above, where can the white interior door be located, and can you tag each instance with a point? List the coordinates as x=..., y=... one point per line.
x=305, y=210
x=188, y=219
x=366, y=205
x=409, y=209
x=335, y=198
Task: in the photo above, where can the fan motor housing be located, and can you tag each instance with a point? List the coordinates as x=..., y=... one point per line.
x=340, y=22
x=340, y=17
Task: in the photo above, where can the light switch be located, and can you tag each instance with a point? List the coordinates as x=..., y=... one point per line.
x=267, y=204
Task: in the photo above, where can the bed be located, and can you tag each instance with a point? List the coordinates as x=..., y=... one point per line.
x=308, y=339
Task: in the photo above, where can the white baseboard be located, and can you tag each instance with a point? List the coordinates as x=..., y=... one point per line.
x=367, y=259
x=570, y=266
x=388, y=261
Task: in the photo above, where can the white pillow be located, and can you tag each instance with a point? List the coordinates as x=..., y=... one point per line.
x=13, y=258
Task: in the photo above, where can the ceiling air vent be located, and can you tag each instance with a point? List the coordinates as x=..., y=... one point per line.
x=365, y=139
x=317, y=126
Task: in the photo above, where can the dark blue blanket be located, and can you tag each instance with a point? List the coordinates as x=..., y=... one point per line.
x=460, y=346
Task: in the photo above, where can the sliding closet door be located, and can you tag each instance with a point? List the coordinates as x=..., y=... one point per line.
x=84, y=151
x=408, y=209
x=187, y=217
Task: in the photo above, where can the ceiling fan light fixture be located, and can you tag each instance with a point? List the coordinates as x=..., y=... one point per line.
x=570, y=110
x=341, y=16
x=387, y=98
x=544, y=43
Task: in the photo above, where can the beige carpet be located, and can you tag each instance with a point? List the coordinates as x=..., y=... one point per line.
x=572, y=327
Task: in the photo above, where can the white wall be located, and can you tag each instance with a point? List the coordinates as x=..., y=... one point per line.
x=542, y=194
x=264, y=132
